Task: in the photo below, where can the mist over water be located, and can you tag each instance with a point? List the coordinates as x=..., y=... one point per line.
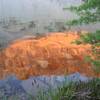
x=34, y=9
x=19, y=18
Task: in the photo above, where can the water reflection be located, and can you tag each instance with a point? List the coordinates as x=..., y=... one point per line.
x=11, y=86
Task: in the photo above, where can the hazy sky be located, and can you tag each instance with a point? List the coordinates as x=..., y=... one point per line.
x=43, y=12
x=28, y=9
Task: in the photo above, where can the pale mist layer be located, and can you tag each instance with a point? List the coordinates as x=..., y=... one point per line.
x=19, y=18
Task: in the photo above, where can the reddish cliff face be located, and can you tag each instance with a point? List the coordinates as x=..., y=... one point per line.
x=54, y=54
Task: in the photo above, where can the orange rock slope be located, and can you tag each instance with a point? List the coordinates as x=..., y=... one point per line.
x=54, y=54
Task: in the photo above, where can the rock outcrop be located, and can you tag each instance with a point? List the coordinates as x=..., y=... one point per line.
x=54, y=54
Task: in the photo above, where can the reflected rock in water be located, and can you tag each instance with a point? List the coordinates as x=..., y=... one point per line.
x=12, y=86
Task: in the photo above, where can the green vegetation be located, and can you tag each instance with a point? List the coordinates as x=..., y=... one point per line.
x=91, y=38
x=94, y=39
x=88, y=12
x=64, y=92
x=74, y=91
